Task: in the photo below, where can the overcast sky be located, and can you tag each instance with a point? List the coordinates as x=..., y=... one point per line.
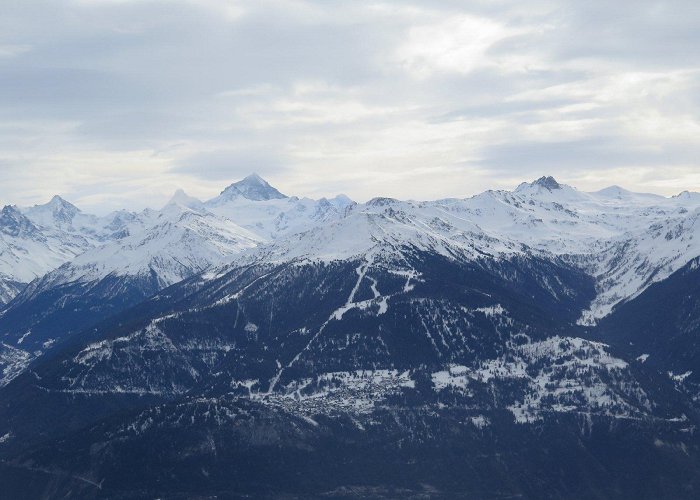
x=115, y=103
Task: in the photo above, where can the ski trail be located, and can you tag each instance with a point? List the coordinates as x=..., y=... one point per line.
x=361, y=271
x=374, y=287
x=409, y=274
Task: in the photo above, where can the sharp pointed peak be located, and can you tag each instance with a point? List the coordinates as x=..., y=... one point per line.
x=254, y=177
x=58, y=201
x=547, y=182
x=58, y=206
x=183, y=199
x=252, y=187
x=55, y=211
x=179, y=194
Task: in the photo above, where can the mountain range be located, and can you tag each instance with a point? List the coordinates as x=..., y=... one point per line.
x=535, y=343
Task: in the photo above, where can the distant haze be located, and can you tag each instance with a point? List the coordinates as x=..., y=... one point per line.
x=118, y=103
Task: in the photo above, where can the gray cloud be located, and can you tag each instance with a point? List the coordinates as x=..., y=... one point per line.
x=593, y=154
x=125, y=100
x=224, y=165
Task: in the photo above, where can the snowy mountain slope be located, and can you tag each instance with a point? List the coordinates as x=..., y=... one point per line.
x=125, y=257
x=266, y=327
x=9, y=288
x=255, y=205
x=13, y=361
x=176, y=243
x=312, y=323
x=660, y=328
x=428, y=336
x=626, y=240
x=36, y=240
x=62, y=216
x=626, y=265
x=563, y=220
x=610, y=233
x=57, y=213
x=423, y=345
x=28, y=251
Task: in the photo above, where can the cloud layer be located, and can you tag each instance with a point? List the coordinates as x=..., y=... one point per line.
x=113, y=102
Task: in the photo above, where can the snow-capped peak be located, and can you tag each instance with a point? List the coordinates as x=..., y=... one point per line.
x=547, y=182
x=253, y=187
x=548, y=189
x=14, y=223
x=687, y=196
x=183, y=199
x=342, y=199
x=59, y=207
x=542, y=216
x=341, y=202
x=171, y=245
x=56, y=211
x=57, y=201
x=544, y=183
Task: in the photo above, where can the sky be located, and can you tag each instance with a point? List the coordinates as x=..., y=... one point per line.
x=117, y=103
